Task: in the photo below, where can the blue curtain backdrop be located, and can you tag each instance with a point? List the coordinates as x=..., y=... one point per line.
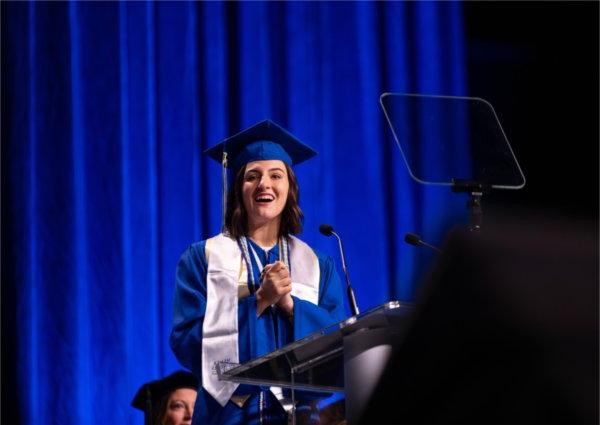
x=106, y=108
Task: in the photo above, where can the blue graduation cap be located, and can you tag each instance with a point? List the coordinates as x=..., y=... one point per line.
x=263, y=141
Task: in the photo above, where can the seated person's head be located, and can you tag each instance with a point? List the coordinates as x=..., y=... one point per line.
x=168, y=401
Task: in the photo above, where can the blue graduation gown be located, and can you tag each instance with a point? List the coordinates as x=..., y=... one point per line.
x=257, y=335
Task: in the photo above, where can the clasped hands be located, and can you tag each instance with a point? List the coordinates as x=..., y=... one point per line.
x=275, y=289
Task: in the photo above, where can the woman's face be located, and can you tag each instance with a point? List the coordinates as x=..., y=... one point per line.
x=265, y=191
x=180, y=407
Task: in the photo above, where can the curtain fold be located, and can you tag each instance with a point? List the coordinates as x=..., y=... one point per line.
x=106, y=108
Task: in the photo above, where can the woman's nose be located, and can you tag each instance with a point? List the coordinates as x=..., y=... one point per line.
x=265, y=181
x=188, y=413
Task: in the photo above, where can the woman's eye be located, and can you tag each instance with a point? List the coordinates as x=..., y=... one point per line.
x=177, y=406
x=250, y=178
x=276, y=176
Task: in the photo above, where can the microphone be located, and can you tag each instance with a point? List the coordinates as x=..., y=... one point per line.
x=327, y=230
x=416, y=240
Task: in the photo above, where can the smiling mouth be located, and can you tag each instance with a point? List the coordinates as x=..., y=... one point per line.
x=263, y=199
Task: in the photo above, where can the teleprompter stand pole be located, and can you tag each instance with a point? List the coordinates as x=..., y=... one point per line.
x=475, y=191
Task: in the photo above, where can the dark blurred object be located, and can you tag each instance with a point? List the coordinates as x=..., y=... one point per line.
x=505, y=331
x=319, y=413
x=152, y=396
x=333, y=414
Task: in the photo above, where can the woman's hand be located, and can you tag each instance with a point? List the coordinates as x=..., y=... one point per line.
x=276, y=286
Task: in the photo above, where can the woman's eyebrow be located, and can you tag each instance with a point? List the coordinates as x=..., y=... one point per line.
x=255, y=170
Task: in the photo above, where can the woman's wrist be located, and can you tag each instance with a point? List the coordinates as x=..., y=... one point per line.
x=261, y=303
x=286, y=304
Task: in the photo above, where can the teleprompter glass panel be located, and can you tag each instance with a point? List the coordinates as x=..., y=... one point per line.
x=445, y=139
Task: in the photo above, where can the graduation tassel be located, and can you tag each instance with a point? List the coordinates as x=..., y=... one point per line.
x=224, y=194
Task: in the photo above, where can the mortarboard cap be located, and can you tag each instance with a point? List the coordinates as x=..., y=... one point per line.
x=263, y=141
x=150, y=395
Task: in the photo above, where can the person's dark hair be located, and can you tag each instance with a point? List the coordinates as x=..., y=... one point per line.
x=159, y=413
x=236, y=218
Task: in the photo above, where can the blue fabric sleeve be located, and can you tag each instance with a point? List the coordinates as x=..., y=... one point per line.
x=308, y=317
x=189, y=307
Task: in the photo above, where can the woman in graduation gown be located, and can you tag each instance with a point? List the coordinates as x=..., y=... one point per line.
x=255, y=287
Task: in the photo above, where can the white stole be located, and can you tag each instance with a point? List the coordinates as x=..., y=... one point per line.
x=226, y=272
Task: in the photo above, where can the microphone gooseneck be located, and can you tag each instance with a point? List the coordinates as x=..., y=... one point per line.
x=327, y=230
x=416, y=240
x=412, y=239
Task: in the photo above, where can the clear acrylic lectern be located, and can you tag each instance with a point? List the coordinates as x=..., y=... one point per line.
x=348, y=356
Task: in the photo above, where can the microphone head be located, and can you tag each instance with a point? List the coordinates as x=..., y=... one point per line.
x=412, y=239
x=326, y=229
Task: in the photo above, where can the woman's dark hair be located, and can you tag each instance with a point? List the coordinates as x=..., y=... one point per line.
x=236, y=218
x=159, y=413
